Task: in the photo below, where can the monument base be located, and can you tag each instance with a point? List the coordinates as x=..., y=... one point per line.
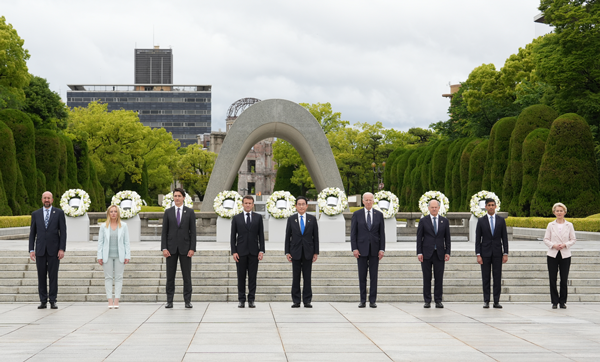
x=391, y=231
x=332, y=229
x=472, y=227
x=277, y=229
x=134, y=225
x=78, y=228
x=223, y=229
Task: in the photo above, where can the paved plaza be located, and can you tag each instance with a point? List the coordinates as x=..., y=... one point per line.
x=275, y=332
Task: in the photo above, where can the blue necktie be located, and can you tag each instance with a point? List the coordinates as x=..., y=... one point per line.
x=47, y=218
x=302, y=225
x=369, y=219
x=492, y=223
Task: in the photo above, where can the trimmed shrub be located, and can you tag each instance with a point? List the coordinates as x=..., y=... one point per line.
x=15, y=221
x=407, y=189
x=8, y=166
x=80, y=151
x=400, y=169
x=476, y=166
x=388, y=172
x=72, y=182
x=502, y=131
x=465, y=162
x=533, y=151
x=22, y=196
x=438, y=166
x=584, y=224
x=453, y=157
x=24, y=138
x=4, y=208
x=41, y=188
x=486, y=183
x=393, y=178
x=47, y=159
x=283, y=183
x=456, y=185
x=426, y=167
x=568, y=172
x=63, y=176
x=532, y=117
x=96, y=190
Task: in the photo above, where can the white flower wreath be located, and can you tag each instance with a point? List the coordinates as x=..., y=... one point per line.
x=482, y=195
x=433, y=195
x=231, y=209
x=284, y=212
x=74, y=208
x=379, y=201
x=168, y=201
x=130, y=210
x=325, y=204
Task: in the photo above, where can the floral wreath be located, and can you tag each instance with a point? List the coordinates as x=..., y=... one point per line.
x=481, y=195
x=168, y=201
x=391, y=211
x=278, y=213
x=228, y=195
x=84, y=202
x=135, y=199
x=342, y=203
x=433, y=195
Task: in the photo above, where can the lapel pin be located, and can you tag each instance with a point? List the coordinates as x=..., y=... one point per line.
x=296, y=220
x=441, y=221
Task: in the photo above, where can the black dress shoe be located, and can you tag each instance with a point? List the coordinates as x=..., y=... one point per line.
x=486, y=304
x=189, y=305
x=372, y=305
x=553, y=306
x=169, y=305
x=296, y=305
x=563, y=306
x=439, y=305
x=43, y=306
x=251, y=305
x=427, y=305
x=497, y=305
x=54, y=306
x=307, y=305
x=362, y=304
x=241, y=305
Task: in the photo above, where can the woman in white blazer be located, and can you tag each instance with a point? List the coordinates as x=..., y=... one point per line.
x=559, y=238
x=113, y=253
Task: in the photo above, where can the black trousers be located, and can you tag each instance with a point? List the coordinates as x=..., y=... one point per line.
x=438, y=272
x=494, y=265
x=305, y=266
x=554, y=264
x=47, y=267
x=247, y=263
x=368, y=264
x=186, y=272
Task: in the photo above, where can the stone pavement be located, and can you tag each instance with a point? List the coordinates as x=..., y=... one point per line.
x=275, y=332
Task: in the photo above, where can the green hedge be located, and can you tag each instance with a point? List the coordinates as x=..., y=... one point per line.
x=462, y=204
x=499, y=156
x=579, y=224
x=426, y=182
x=4, y=208
x=456, y=191
x=80, y=150
x=41, y=187
x=451, y=158
x=63, y=175
x=568, y=172
x=96, y=190
x=72, y=182
x=8, y=167
x=47, y=159
x=476, y=166
x=389, y=175
x=533, y=151
x=15, y=221
x=407, y=189
x=486, y=183
x=401, y=165
x=438, y=166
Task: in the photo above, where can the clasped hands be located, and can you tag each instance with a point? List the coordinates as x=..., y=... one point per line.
x=61, y=254
x=559, y=246
x=236, y=256
x=357, y=254
x=166, y=253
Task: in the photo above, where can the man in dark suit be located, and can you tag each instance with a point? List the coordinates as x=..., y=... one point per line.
x=367, y=239
x=47, y=245
x=178, y=241
x=491, y=247
x=302, y=249
x=247, y=248
x=433, y=250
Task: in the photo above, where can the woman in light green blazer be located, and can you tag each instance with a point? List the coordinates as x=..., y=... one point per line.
x=113, y=253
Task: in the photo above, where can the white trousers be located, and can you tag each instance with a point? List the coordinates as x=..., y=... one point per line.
x=113, y=270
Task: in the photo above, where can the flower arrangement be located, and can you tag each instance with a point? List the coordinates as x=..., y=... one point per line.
x=476, y=210
x=433, y=195
x=168, y=201
x=228, y=203
x=127, y=211
x=74, y=208
x=332, y=201
x=275, y=210
x=383, y=197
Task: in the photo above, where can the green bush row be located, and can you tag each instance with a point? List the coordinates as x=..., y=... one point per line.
x=14, y=221
x=583, y=224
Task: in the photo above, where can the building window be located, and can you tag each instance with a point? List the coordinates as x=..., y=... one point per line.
x=251, y=188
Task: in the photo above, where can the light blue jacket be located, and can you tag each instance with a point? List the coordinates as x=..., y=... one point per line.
x=122, y=242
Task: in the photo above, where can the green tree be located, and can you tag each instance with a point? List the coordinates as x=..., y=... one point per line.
x=389, y=174
x=43, y=105
x=9, y=167
x=453, y=157
x=47, y=159
x=407, y=190
x=438, y=165
x=14, y=75
x=194, y=169
x=462, y=203
x=499, y=157
x=533, y=151
x=422, y=135
x=476, y=166
x=401, y=166
x=283, y=181
x=159, y=151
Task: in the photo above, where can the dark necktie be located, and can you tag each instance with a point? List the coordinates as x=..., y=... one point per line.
x=435, y=225
x=302, y=225
x=492, y=223
x=178, y=217
x=369, y=219
x=47, y=218
x=248, y=220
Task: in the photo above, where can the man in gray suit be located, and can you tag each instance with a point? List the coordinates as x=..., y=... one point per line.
x=178, y=241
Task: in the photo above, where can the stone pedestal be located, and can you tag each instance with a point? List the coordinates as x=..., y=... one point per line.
x=391, y=233
x=78, y=228
x=134, y=225
x=223, y=229
x=276, y=229
x=332, y=229
x=472, y=226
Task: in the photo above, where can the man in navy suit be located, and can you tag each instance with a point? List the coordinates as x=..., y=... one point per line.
x=367, y=239
x=247, y=248
x=47, y=245
x=301, y=249
x=491, y=247
x=433, y=250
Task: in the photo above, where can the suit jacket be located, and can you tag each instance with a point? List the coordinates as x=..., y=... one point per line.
x=180, y=238
x=361, y=237
x=49, y=240
x=565, y=236
x=122, y=242
x=246, y=240
x=296, y=242
x=427, y=240
x=487, y=244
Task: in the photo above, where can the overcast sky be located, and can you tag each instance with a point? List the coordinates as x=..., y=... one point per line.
x=387, y=61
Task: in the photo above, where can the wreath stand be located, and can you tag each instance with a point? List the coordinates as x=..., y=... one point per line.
x=78, y=228
x=332, y=229
x=277, y=229
x=134, y=224
x=391, y=231
x=472, y=227
x=223, y=229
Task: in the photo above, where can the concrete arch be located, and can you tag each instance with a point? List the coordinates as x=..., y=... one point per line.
x=274, y=118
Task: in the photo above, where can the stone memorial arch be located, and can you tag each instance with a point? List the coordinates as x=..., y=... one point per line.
x=274, y=118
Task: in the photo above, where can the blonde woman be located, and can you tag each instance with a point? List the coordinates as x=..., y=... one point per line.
x=113, y=253
x=560, y=237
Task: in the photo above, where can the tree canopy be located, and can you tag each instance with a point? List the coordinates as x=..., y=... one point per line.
x=14, y=75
